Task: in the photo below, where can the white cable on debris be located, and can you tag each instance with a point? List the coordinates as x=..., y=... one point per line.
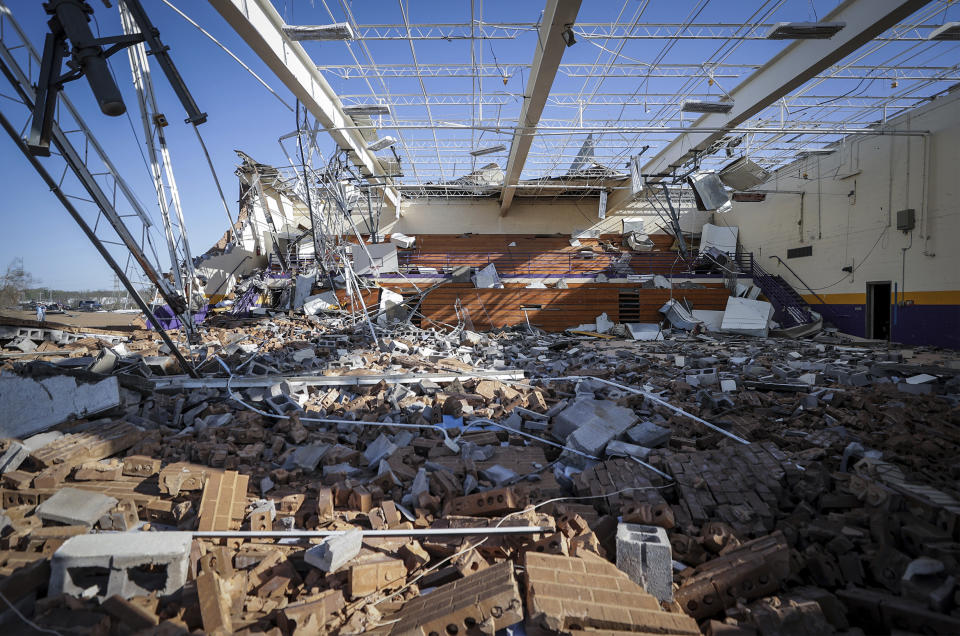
x=656, y=399
x=499, y=523
x=228, y=52
x=435, y=427
x=483, y=420
x=26, y=620
x=326, y=534
x=324, y=420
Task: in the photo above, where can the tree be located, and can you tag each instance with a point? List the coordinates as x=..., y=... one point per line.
x=13, y=282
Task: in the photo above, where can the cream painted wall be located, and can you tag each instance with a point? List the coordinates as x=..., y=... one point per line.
x=456, y=216
x=847, y=210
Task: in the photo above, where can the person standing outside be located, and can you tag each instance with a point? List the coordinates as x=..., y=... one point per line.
x=41, y=312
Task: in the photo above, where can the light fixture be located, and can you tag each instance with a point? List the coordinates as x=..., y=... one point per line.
x=380, y=144
x=742, y=174
x=804, y=30
x=367, y=109
x=708, y=191
x=338, y=31
x=949, y=31
x=488, y=151
x=700, y=106
x=806, y=152
x=567, y=35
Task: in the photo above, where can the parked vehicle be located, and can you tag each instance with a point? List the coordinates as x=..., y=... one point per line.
x=89, y=305
x=55, y=308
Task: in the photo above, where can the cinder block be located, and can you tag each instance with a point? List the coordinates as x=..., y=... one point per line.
x=308, y=457
x=604, y=416
x=649, y=435
x=644, y=553
x=75, y=507
x=335, y=552
x=125, y=564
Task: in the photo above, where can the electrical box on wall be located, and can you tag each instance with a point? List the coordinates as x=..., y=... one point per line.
x=906, y=220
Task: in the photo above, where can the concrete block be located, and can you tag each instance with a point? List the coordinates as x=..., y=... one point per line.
x=335, y=552
x=601, y=414
x=623, y=449
x=702, y=377
x=380, y=448
x=75, y=507
x=24, y=344
x=308, y=457
x=644, y=553
x=915, y=389
x=30, y=406
x=649, y=434
x=126, y=564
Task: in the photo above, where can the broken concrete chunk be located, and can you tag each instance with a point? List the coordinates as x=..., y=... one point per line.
x=603, y=414
x=335, y=552
x=649, y=434
x=74, y=507
x=380, y=449
x=30, y=406
x=623, y=449
x=308, y=457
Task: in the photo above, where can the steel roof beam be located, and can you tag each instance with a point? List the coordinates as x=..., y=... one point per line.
x=557, y=16
x=261, y=27
x=791, y=68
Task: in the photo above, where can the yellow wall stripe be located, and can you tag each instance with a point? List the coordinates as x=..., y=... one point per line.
x=947, y=297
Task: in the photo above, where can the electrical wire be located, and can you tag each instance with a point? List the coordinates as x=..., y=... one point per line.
x=526, y=510
x=228, y=52
x=26, y=620
x=858, y=266
x=435, y=427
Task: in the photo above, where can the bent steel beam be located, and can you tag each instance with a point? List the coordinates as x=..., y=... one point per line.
x=791, y=68
x=557, y=17
x=261, y=27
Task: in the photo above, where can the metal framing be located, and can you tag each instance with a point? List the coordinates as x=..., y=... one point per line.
x=558, y=17
x=161, y=167
x=114, y=217
x=259, y=24
x=624, y=80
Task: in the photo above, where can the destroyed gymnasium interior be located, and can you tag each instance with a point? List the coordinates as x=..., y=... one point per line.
x=455, y=318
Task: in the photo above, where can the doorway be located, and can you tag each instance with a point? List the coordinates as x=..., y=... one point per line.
x=878, y=310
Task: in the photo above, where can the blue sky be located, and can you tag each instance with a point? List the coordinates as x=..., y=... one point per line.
x=243, y=115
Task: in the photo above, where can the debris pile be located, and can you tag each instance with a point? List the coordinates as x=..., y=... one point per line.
x=310, y=481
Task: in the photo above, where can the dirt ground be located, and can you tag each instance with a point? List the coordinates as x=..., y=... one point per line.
x=84, y=319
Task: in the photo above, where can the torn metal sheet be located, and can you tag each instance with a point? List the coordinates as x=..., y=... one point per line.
x=747, y=317
x=678, y=315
